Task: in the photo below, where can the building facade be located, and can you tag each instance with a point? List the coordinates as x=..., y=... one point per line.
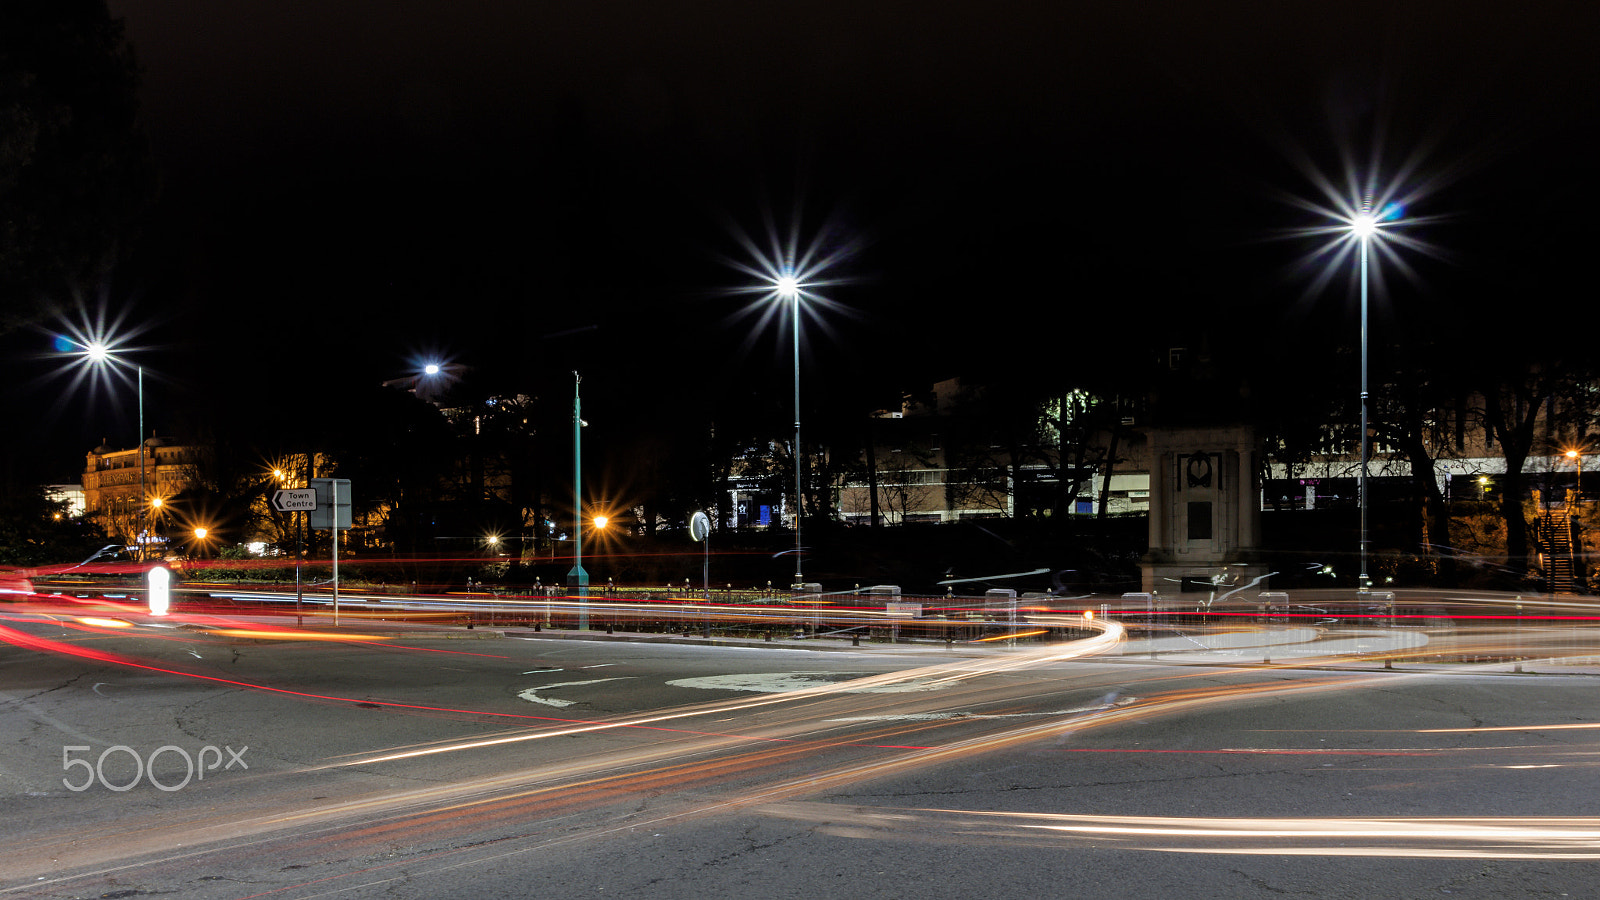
x=123, y=495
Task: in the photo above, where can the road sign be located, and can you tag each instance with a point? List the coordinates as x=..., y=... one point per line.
x=294, y=500
x=332, y=511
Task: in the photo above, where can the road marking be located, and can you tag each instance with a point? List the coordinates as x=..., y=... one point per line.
x=934, y=717
x=781, y=682
x=532, y=694
x=540, y=671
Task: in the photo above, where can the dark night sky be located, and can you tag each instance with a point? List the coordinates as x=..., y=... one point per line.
x=348, y=184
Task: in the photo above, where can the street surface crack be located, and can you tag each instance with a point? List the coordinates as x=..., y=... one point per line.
x=1264, y=885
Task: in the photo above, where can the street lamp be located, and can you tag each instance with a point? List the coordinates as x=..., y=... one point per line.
x=100, y=355
x=1577, y=457
x=1362, y=227
x=577, y=578
x=788, y=288
x=1358, y=219
x=787, y=267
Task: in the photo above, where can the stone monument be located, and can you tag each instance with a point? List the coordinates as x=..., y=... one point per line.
x=1205, y=510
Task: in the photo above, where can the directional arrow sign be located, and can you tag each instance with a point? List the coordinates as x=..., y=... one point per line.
x=295, y=500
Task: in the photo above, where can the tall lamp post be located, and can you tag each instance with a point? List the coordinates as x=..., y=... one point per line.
x=577, y=578
x=789, y=289
x=1362, y=227
x=100, y=355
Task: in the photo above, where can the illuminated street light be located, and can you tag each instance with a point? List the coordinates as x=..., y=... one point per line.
x=601, y=521
x=1358, y=219
x=1577, y=457
x=1363, y=228
x=785, y=268
x=430, y=382
x=788, y=288
x=99, y=354
x=1364, y=225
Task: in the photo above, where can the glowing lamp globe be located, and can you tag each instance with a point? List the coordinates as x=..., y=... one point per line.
x=1364, y=225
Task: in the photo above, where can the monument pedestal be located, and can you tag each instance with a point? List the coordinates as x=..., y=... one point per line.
x=1205, y=517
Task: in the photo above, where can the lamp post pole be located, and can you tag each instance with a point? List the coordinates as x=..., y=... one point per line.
x=799, y=457
x=144, y=494
x=1364, y=234
x=577, y=578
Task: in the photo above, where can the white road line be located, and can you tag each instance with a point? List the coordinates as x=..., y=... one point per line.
x=532, y=694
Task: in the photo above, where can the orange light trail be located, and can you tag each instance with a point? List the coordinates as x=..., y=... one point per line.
x=1010, y=637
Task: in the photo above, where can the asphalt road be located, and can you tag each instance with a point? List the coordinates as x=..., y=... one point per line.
x=519, y=767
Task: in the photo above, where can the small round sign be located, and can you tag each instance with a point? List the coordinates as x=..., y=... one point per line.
x=700, y=526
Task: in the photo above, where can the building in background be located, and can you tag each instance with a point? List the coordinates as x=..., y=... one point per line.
x=112, y=484
x=69, y=494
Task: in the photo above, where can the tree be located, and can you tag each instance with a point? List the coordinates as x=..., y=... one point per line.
x=227, y=486
x=397, y=452
x=1424, y=399
x=1014, y=435
x=1515, y=403
x=35, y=530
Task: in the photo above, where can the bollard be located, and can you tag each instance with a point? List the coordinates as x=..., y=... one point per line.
x=1518, y=666
x=855, y=640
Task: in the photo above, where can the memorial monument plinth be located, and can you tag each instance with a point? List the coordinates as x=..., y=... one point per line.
x=1205, y=514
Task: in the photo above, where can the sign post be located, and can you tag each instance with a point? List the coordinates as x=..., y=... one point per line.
x=330, y=511
x=291, y=501
x=700, y=530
